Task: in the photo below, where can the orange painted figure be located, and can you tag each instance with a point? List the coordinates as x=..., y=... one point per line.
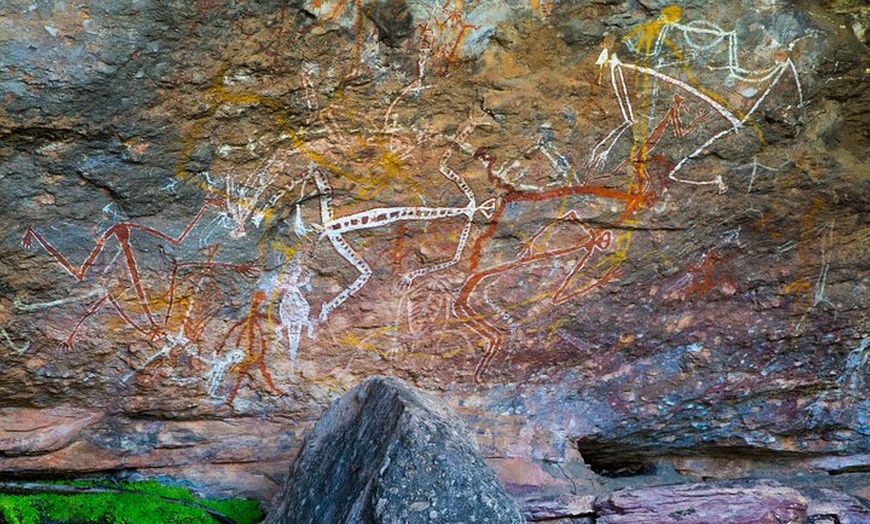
x=445, y=35
x=627, y=182
x=251, y=339
x=193, y=299
x=201, y=293
x=703, y=278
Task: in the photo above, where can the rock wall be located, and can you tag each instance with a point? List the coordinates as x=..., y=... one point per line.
x=624, y=230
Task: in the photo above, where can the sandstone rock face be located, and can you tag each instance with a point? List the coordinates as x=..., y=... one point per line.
x=746, y=501
x=385, y=453
x=626, y=240
x=828, y=506
x=733, y=502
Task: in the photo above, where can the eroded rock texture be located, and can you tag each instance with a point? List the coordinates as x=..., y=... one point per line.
x=387, y=453
x=630, y=229
x=735, y=502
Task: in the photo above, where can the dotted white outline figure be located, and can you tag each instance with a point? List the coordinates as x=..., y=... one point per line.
x=334, y=229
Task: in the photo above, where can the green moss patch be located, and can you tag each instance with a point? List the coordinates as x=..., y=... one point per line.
x=108, y=502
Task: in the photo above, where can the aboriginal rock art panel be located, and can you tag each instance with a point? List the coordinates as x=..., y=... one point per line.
x=166, y=303
x=669, y=120
x=381, y=223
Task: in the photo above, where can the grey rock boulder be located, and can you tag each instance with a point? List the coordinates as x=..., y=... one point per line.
x=385, y=453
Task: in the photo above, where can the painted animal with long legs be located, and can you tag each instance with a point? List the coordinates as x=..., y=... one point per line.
x=121, y=232
x=639, y=194
x=653, y=37
x=591, y=241
x=334, y=229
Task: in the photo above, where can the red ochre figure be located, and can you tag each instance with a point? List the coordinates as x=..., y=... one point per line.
x=252, y=338
x=122, y=232
x=591, y=241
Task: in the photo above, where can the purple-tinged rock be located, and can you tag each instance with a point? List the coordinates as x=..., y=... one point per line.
x=834, y=507
x=734, y=502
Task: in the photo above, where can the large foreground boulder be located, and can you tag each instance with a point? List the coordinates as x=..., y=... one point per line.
x=385, y=453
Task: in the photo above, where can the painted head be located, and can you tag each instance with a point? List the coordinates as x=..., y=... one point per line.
x=603, y=239
x=671, y=14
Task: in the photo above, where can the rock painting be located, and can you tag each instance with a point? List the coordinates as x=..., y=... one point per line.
x=468, y=240
x=619, y=236
x=115, y=293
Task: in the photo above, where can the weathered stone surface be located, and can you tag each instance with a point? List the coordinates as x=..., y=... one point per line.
x=564, y=508
x=659, y=298
x=385, y=453
x=27, y=431
x=735, y=502
x=827, y=506
x=81, y=442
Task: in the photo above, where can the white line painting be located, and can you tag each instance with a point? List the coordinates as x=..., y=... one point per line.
x=735, y=123
x=337, y=152
x=699, y=37
x=20, y=350
x=334, y=229
x=294, y=310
